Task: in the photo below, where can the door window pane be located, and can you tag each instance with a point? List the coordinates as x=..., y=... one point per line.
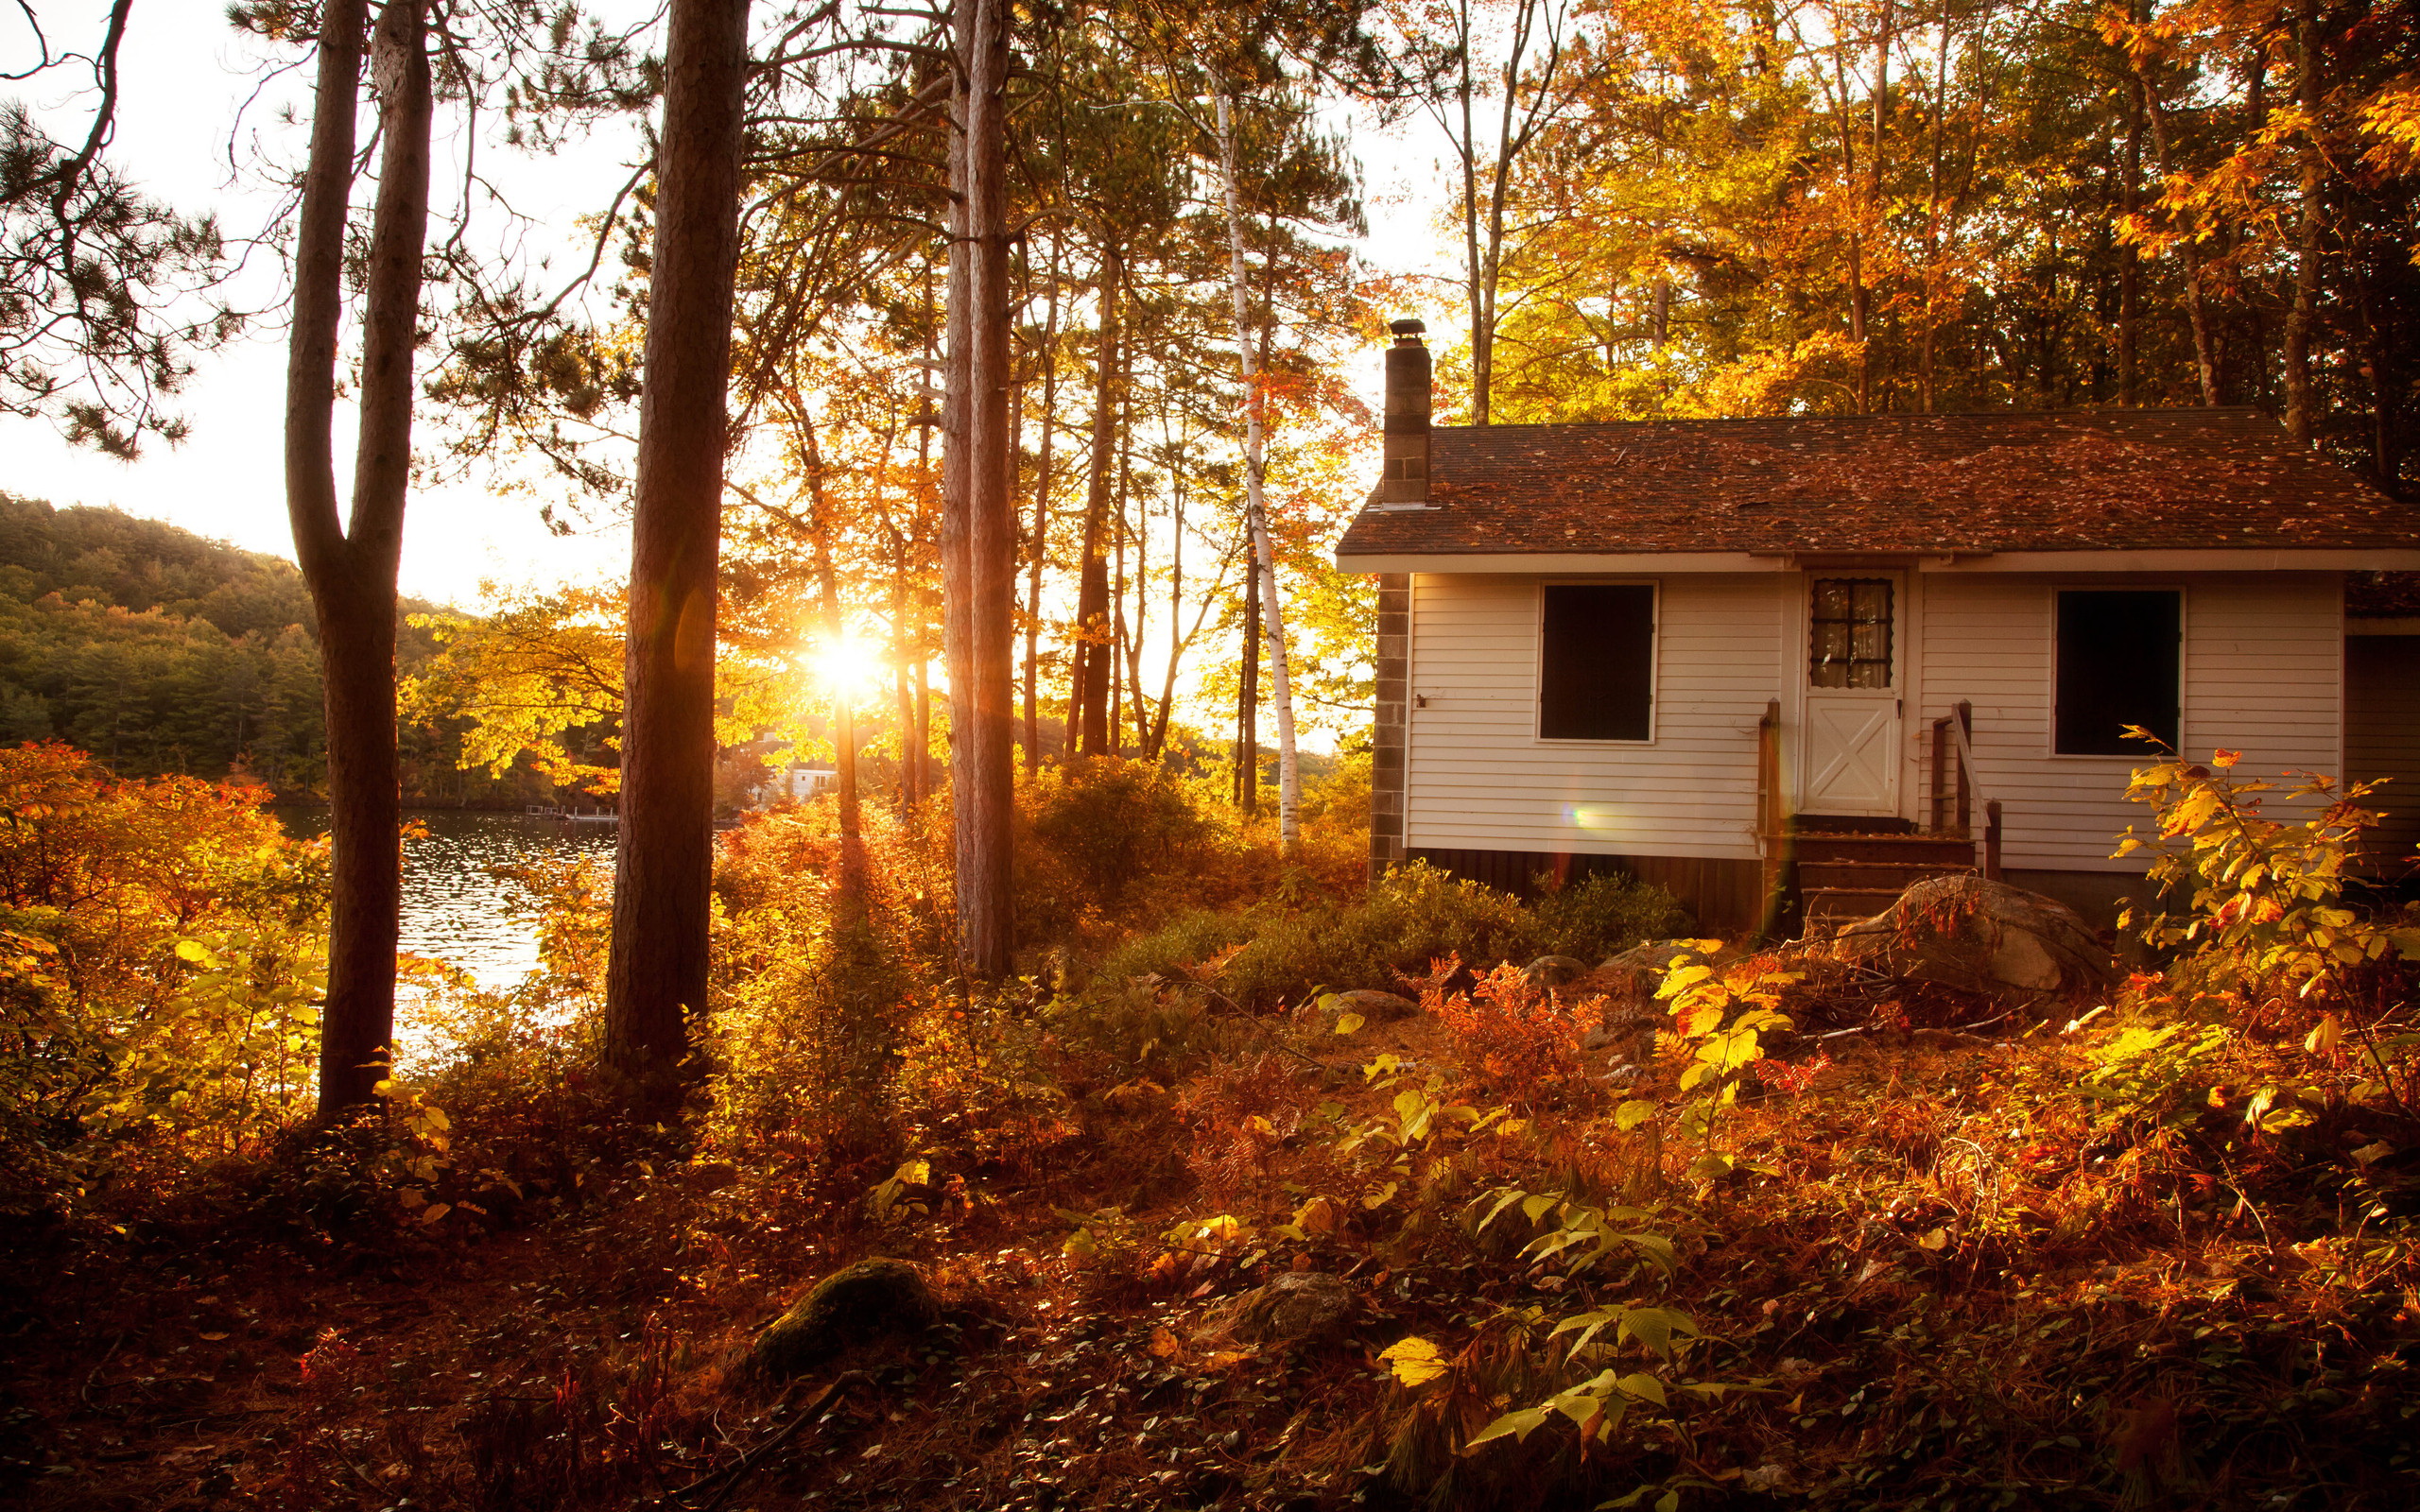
x=1849, y=645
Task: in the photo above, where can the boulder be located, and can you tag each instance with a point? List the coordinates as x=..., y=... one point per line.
x=1974, y=935
x=1298, y=1305
x=1636, y=972
x=869, y=1299
x=1555, y=970
x=1375, y=1006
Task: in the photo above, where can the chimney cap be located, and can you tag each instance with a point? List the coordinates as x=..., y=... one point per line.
x=1408, y=328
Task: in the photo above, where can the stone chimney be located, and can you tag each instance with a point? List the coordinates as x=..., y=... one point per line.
x=1405, y=483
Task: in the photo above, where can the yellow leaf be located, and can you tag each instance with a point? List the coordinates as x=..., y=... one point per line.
x=1934, y=1240
x=196, y=952
x=1349, y=1022
x=2324, y=1036
x=1162, y=1342
x=1415, y=1360
x=1317, y=1216
x=435, y=1212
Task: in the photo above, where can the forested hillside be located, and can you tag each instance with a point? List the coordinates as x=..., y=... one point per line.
x=165, y=653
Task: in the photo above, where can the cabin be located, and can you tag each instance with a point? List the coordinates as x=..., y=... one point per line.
x=1784, y=666
x=794, y=783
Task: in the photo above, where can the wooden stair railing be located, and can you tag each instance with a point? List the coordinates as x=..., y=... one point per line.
x=1954, y=787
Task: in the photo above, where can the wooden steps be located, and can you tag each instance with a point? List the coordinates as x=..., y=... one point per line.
x=1844, y=876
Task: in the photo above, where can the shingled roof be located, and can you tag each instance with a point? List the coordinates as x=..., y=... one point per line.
x=2112, y=480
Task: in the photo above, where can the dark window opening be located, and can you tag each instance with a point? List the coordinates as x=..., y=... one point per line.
x=2118, y=666
x=1596, y=662
x=1849, y=640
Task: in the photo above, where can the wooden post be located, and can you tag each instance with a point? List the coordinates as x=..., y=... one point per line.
x=1965, y=783
x=1937, y=812
x=1992, y=841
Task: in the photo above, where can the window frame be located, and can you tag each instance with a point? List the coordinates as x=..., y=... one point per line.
x=2051, y=671
x=1654, y=664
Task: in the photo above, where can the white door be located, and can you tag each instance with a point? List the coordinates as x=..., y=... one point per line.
x=1850, y=757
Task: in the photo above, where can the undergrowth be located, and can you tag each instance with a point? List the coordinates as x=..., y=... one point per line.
x=2152, y=1250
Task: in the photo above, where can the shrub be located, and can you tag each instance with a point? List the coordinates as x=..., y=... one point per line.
x=1111, y=821
x=159, y=965
x=1270, y=955
x=1604, y=914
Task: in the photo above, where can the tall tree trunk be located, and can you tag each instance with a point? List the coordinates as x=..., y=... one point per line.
x=1289, y=778
x=849, y=896
x=1043, y=480
x=979, y=518
x=1090, y=669
x=2197, y=312
x=1483, y=331
x=655, y=981
x=1159, y=740
x=1248, y=694
x=350, y=568
x=1926, y=385
x=2300, y=422
x=2130, y=261
x=1857, y=299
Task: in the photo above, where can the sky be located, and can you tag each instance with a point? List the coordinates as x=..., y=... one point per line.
x=187, y=135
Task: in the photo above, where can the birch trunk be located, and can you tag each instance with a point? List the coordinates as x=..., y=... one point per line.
x=1290, y=778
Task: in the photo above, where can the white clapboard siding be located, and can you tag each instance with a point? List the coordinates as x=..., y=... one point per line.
x=2383, y=738
x=1479, y=778
x=2263, y=667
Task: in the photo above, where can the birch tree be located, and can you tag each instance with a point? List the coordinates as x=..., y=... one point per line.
x=1272, y=625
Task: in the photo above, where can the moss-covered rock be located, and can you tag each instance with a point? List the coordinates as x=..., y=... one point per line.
x=866, y=1300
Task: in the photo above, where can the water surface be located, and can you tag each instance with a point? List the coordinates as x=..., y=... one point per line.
x=455, y=907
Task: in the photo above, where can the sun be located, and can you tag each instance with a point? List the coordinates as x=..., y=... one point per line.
x=848, y=667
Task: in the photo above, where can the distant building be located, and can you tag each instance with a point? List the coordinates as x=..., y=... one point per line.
x=795, y=784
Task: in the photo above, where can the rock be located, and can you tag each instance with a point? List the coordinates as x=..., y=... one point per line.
x=1556, y=971
x=1979, y=936
x=1375, y=1006
x=1638, y=972
x=1298, y=1305
x=868, y=1299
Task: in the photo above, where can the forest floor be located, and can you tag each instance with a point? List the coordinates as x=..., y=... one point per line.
x=1945, y=1286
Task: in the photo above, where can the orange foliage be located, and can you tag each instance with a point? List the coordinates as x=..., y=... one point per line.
x=1523, y=1038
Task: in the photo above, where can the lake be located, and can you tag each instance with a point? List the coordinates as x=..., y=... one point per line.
x=454, y=907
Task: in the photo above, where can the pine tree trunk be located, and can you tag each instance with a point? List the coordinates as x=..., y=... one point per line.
x=1090, y=667
x=1043, y=480
x=978, y=523
x=351, y=573
x=655, y=985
